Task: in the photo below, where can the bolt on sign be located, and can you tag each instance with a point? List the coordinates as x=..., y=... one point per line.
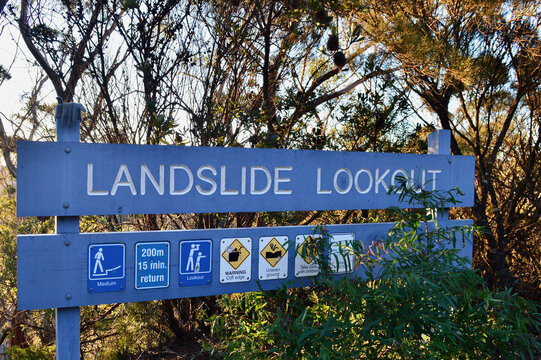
x=235, y=260
x=273, y=257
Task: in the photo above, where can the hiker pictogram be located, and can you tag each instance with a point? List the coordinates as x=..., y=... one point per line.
x=98, y=257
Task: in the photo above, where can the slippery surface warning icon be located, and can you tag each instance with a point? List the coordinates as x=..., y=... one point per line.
x=235, y=261
x=273, y=257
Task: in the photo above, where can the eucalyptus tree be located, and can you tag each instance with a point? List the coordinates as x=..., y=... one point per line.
x=476, y=66
x=60, y=37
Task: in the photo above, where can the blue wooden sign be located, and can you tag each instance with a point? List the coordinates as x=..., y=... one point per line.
x=61, y=260
x=103, y=179
x=195, y=262
x=151, y=265
x=106, y=268
x=70, y=269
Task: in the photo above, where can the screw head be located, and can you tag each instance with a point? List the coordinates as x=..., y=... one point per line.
x=67, y=150
x=66, y=205
x=68, y=296
x=67, y=243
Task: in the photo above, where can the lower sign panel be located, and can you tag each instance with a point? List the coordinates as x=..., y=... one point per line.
x=58, y=271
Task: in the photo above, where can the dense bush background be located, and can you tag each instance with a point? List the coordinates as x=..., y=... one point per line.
x=344, y=75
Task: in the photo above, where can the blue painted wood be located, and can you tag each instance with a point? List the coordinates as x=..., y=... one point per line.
x=439, y=143
x=85, y=179
x=68, y=342
x=68, y=339
x=51, y=266
x=101, y=179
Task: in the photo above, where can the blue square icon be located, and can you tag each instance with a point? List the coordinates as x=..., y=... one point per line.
x=151, y=265
x=195, y=265
x=106, y=267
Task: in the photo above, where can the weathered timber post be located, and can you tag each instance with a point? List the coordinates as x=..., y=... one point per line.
x=68, y=333
x=439, y=143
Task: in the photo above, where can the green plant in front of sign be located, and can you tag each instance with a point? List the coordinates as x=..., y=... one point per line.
x=419, y=299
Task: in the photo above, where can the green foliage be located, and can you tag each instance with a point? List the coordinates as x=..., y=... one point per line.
x=375, y=119
x=418, y=300
x=242, y=325
x=31, y=353
x=120, y=331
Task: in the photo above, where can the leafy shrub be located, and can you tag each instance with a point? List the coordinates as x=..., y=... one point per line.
x=419, y=300
x=31, y=353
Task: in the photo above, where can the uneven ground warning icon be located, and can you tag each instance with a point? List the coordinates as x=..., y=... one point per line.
x=273, y=252
x=273, y=257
